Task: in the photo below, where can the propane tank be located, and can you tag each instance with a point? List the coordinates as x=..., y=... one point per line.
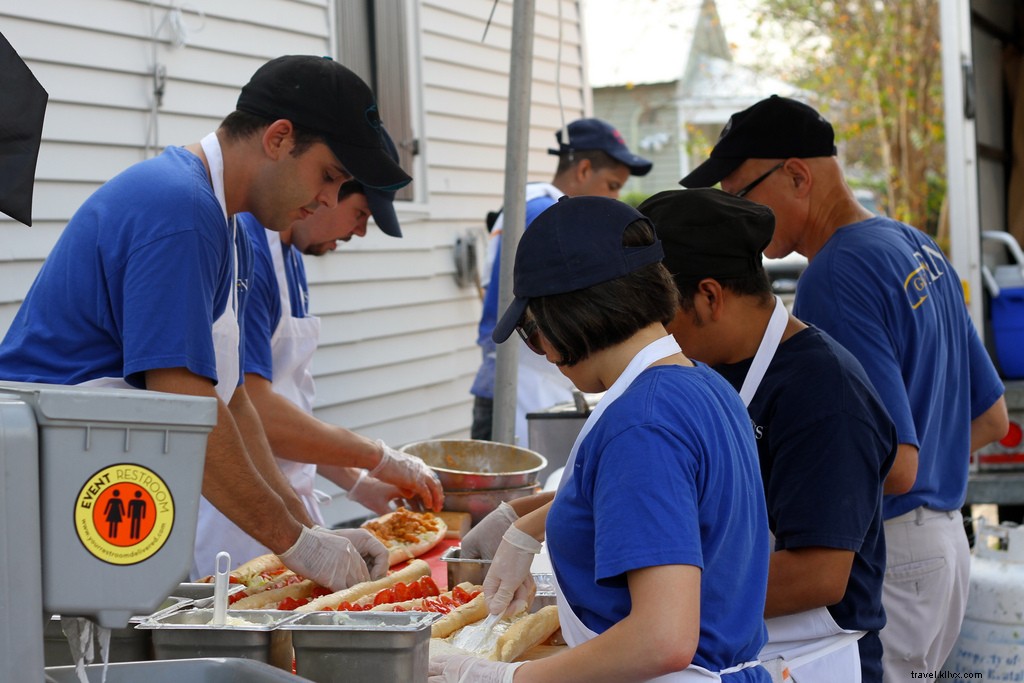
x=991, y=640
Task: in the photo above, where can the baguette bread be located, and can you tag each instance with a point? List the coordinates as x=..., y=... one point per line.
x=525, y=633
x=269, y=599
x=407, y=574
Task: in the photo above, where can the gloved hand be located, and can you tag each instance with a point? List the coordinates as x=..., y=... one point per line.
x=453, y=668
x=483, y=539
x=509, y=585
x=373, y=493
x=327, y=558
x=410, y=475
x=369, y=547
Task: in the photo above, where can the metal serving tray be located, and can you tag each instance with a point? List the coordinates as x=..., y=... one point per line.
x=188, y=634
x=213, y=670
x=362, y=647
x=460, y=570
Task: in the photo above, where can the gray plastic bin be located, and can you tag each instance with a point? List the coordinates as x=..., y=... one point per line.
x=120, y=478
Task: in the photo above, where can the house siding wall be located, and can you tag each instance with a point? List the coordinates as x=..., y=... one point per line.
x=398, y=351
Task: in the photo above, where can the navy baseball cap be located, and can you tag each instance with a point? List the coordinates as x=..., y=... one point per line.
x=595, y=134
x=709, y=233
x=774, y=128
x=382, y=202
x=323, y=96
x=573, y=244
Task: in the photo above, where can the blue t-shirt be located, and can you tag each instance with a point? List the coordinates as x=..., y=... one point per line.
x=134, y=282
x=263, y=307
x=483, y=384
x=669, y=475
x=885, y=291
x=825, y=444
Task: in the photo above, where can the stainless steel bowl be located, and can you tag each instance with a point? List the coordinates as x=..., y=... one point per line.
x=473, y=465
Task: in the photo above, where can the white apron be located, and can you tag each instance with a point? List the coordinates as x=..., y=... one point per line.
x=809, y=644
x=574, y=630
x=292, y=346
x=214, y=531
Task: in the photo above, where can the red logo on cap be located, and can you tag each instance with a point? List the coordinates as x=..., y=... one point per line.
x=618, y=137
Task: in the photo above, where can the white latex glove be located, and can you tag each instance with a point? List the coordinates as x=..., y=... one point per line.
x=411, y=475
x=452, y=668
x=372, y=493
x=483, y=539
x=327, y=558
x=509, y=586
x=369, y=547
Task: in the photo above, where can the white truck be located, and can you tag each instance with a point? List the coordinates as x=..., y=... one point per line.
x=977, y=37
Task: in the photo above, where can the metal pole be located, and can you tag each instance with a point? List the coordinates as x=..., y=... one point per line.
x=503, y=424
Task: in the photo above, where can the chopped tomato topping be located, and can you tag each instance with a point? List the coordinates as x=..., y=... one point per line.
x=292, y=603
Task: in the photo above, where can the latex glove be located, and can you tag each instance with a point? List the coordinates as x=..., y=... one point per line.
x=452, y=668
x=369, y=547
x=372, y=493
x=483, y=539
x=508, y=586
x=411, y=475
x=329, y=559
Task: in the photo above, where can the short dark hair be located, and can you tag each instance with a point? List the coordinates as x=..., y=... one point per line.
x=242, y=124
x=350, y=187
x=755, y=284
x=598, y=159
x=583, y=322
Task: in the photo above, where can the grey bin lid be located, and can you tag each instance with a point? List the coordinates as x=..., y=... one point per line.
x=56, y=403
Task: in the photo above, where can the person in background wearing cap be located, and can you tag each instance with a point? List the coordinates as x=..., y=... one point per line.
x=280, y=339
x=885, y=291
x=657, y=533
x=593, y=160
x=143, y=288
x=824, y=439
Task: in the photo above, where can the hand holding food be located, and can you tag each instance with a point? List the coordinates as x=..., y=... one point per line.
x=483, y=540
x=373, y=493
x=453, y=668
x=509, y=585
x=327, y=558
x=409, y=474
x=369, y=547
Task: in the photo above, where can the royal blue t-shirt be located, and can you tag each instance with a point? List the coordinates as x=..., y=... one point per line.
x=825, y=444
x=669, y=475
x=134, y=282
x=263, y=307
x=886, y=292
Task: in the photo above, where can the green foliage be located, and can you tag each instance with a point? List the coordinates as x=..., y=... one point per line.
x=634, y=198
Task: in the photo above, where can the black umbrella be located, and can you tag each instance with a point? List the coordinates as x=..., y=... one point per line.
x=22, y=105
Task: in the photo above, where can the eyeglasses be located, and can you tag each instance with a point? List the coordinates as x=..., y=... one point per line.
x=759, y=179
x=530, y=333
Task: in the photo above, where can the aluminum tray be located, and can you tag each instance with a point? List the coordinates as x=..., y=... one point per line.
x=212, y=670
x=460, y=569
x=188, y=634
x=202, y=591
x=362, y=647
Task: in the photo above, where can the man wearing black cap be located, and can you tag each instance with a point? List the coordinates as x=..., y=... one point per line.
x=593, y=160
x=280, y=339
x=885, y=291
x=143, y=289
x=824, y=439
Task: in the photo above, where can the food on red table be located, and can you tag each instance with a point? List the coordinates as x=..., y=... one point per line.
x=407, y=534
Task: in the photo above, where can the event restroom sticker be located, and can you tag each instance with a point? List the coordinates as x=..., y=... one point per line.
x=124, y=514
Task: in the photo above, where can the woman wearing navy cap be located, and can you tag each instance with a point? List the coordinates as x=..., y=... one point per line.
x=657, y=534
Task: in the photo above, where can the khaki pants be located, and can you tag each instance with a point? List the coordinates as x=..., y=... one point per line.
x=928, y=564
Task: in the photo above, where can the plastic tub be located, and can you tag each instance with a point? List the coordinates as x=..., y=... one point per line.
x=362, y=647
x=1008, y=331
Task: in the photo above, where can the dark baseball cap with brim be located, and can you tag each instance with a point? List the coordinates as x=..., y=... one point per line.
x=707, y=233
x=774, y=128
x=382, y=202
x=595, y=134
x=573, y=244
x=326, y=98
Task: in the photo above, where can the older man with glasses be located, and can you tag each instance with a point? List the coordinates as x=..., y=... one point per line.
x=885, y=291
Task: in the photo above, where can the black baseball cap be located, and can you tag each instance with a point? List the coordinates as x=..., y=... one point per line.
x=323, y=96
x=595, y=134
x=382, y=202
x=573, y=244
x=709, y=233
x=774, y=128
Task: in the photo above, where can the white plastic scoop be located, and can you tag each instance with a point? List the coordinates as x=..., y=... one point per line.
x=473, y=637
x=220, y=588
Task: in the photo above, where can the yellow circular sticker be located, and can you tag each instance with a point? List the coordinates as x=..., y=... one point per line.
x=124, y=514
